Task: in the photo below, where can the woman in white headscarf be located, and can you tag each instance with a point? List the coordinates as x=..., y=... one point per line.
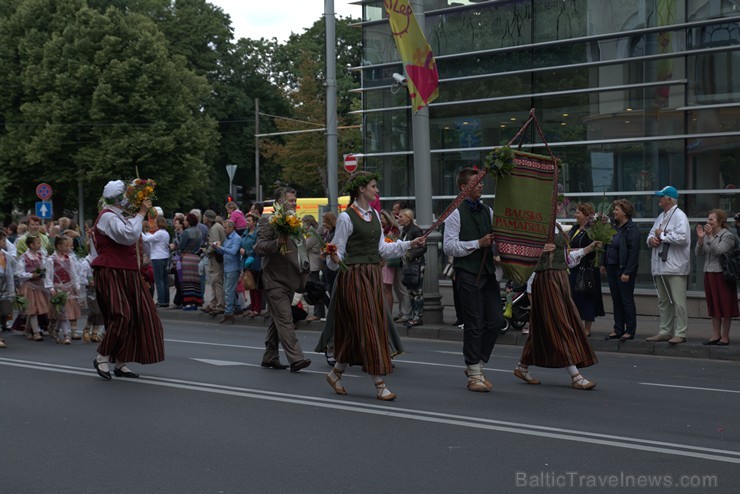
x=133, y=328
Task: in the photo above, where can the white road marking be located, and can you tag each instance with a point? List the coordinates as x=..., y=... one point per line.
x=692, y=387
x=390, y=410
x=404, y=361
x=228, y=363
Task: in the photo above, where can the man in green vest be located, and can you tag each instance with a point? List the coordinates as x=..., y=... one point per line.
x=468, y=239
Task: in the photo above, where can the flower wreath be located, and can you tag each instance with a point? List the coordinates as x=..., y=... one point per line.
x=361, y=181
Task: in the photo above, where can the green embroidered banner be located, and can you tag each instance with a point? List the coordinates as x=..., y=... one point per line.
x=523, y=214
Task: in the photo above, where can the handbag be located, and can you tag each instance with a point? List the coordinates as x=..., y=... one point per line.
x=448, y=271
x=393, y=263
x=585, y=280
x=411, y=274
x=730, y=262
x=248, y=281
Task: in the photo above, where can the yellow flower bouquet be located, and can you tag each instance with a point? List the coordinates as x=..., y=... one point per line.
x=286, y=223
x=138, y=191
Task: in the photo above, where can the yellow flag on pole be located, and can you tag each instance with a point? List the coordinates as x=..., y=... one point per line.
x=416, y=54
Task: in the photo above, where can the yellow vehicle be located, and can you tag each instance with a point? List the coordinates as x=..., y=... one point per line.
x=311, y=205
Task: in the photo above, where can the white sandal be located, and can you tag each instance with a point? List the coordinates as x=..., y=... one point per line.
x=580, y=382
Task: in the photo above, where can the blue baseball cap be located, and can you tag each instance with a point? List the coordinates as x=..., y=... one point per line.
x=668, y=191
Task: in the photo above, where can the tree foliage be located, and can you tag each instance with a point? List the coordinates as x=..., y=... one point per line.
x=95, y=90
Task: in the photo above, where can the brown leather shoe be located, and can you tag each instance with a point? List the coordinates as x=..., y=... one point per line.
x=676, y=340
x=658, y=337
x=299, y=364
x=273, y=364
x=227, y=318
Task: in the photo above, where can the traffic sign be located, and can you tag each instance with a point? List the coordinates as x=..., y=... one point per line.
x=43, y=191
x=350, y=162
x=44, y=210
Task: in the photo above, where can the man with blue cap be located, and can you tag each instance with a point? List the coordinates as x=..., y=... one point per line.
x=670, y=244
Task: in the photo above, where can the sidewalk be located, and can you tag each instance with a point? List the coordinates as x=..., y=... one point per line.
x=699, y=331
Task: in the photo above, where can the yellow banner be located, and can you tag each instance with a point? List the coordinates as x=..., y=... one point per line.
x=416, y=54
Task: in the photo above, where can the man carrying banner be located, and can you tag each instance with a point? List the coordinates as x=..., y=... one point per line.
x=468, y=238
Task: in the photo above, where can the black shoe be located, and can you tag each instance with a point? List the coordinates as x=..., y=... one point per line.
x=122, y=373
x=104, y=374
x=273, y=364
x=711, y=342
x=300, y=364
x=612, y=336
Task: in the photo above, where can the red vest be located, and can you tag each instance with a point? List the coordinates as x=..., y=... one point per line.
x=111, y=254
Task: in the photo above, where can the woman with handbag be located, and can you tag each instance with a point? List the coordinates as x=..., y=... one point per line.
x=620, y=267
x=412, y=267
x=585, y=283
x=714, y=240
x=252, y=265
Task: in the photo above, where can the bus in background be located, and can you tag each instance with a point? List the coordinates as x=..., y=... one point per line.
x=310, y=205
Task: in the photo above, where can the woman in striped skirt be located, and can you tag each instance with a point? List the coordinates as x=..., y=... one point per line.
x=133, y=330
x=360, y=316
x=556, y=337
x=188, y=246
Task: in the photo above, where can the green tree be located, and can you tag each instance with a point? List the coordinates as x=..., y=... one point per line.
x=299, y=69
x=97, y=95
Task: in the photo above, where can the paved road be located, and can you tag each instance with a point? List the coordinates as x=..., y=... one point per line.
x=210, y=420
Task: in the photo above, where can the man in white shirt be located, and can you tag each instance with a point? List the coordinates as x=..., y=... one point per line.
x=670, y=244
x=468, y=238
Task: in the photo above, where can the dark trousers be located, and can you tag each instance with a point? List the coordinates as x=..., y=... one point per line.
x=481, y=313
x=456, y=301
x=623, y=299
x=318, y=309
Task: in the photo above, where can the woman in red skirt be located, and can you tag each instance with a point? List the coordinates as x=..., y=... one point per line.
x=133, y=328
x=715, y=239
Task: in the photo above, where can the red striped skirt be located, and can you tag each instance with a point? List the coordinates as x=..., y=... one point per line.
x=556, y=336
x=133, y=330
x=360, y=325
x=721, y=296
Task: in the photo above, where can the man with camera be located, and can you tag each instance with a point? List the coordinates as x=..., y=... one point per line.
x=670, y=241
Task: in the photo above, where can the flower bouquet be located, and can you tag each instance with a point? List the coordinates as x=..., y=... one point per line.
x=39, y=272
x=58, y=301
x=138, y=191
x=332, y=249
x=286, y=223
x=601, y=230
x=20, y=303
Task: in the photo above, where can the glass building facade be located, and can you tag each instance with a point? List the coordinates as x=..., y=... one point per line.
x=632, y=95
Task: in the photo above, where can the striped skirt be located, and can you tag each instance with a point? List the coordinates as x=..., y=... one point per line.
x=556, y=336
x=133, y=331
x=361, y=321
x=190, y=282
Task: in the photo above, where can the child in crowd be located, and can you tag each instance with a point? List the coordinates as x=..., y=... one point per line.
x=62, y=277
x=93, y=331
x=32, y=266
x=7, y=285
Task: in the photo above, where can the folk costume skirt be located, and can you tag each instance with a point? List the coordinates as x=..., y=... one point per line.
x=133, y=330
x=37, y=297
x=556, y=336
x=361, y=322
x=190, y=282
